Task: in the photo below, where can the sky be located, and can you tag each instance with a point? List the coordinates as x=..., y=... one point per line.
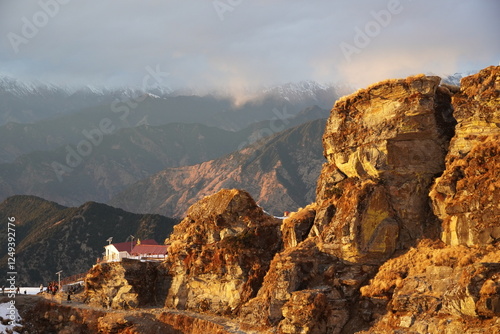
x=239, y=44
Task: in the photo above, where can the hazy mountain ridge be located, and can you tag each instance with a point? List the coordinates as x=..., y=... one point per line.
x=123, y=158
x=127, y=156
x=280, y=172
x=30, y=102
x=50, y=237
x=67, y=129
x=44, y=117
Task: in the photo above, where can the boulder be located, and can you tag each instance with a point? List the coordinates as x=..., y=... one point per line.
x=220, y=252
x=126, y=285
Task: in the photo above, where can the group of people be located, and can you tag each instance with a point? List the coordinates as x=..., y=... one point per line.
x=18, y=290
x=52, y=288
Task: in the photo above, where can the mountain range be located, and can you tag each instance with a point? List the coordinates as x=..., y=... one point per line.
x=67, y=176
x=30, y=102
x=278, y=171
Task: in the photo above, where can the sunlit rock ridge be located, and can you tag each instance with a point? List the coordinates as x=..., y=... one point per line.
x=403, y=236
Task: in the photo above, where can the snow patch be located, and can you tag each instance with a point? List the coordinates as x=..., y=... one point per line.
x=8, y=311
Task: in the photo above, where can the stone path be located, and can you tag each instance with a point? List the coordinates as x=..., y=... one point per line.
x=228, y=325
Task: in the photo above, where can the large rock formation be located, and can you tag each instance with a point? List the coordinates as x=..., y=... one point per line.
x=220, y=252
x=467, y=196
x=435, y=286
x=384, y=145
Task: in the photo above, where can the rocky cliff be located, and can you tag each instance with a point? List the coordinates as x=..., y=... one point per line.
x=384, y=146
x=466, y=197
x=402, y=237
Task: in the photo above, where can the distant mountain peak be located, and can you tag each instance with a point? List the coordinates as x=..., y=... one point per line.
x=20, y=88
x=297, y=90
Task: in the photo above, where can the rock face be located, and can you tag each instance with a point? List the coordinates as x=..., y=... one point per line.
x=457, y=278
x=384, y=145
x=220, y=252
x=306, y=291
x=433, y=282
x=467, y=196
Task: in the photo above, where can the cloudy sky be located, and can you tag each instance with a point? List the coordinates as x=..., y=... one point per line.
x=236, y=44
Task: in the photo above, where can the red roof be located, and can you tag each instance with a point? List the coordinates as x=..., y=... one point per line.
x=126, y=246
x=149, y=249
x=149, y=242
x=123, y=246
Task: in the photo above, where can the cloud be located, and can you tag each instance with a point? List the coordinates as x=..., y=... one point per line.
x=240, y=44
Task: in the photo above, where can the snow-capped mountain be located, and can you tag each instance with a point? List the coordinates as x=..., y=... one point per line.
x=454, y=79
x=20, y=89
x=28, y=102
x=300, y=90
